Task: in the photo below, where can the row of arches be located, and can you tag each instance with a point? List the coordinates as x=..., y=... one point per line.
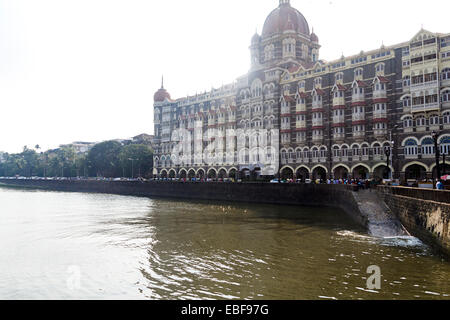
x=201, y=173
x=413, y=170
x=340, y=171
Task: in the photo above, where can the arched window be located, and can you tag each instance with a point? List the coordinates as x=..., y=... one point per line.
x=421, y=121
x=379, y=67
x=445, y=74
x=358, y=73
x=446, y=118
x=301, y=85
x=336, y=151
x=318, y=82
x=434, y=120
x=315, y=152
x=408, y=122
x=445, y=96
x=305, y=154
x=344, y=151
x=445, y=145
x=365, y=149
x=411, y=147
x=323, y=152
x=377, y=149
x=406, y=82
x=406, y=102
x=256, y=88
x=428, y=146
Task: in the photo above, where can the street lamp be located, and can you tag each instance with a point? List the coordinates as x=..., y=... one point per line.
x=443, y=164
x=387, y=151
x=438, y=156
x=132, y=167
x=392, y=142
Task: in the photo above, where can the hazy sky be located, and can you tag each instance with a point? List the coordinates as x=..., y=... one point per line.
x=86, y=70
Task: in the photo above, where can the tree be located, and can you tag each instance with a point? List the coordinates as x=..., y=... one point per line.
x=136, y=159
x=103, y=159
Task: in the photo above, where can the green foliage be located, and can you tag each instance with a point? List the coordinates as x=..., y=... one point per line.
x=107, y=159
x=103, y=159
x=136, y=159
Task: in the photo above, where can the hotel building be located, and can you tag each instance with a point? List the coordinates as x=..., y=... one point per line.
x=333, y=119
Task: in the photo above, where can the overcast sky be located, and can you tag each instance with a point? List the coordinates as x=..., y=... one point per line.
x=86, y=70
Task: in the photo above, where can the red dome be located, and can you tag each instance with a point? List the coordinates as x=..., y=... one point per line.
x=161, y=95
x=285, y=18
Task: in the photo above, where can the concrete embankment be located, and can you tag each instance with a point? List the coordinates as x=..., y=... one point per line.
x=338, y=196
x=425, y=213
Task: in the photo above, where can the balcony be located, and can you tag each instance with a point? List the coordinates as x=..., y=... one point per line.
x=339, y=101
x=425, y=107
x=380, y=115
x=338, y=119
x=380, y=132
x=300, y=108
x=300, y=125
x=359, y=135
x=317, y=104
x=424, y=85
x=358, y=117
x=317, y=122
x=317, y=138
x=379, y=94
x=359, y=97
x=231, y=119
x=285, y=110
x=339, y=136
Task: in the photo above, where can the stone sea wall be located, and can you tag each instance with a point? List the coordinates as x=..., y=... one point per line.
x=424, y=213
x=338, y=196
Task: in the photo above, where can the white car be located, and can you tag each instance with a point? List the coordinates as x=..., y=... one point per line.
x=275, y=181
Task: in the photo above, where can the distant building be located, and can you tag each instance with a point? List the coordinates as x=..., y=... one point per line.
x=80, y=147
x=339, y=119
x=144, y=139
x=2, y=157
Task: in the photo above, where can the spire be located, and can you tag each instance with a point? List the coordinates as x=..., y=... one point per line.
x=284, y=2
x=162, y=82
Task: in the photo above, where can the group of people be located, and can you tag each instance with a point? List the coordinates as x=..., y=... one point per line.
x=361, y=183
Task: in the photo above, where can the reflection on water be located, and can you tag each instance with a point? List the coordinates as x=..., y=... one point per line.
x=67, y=245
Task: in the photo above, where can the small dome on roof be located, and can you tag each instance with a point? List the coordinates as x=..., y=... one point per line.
x=161, y=94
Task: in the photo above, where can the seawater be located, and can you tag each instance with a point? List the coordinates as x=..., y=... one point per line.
x=56, y=245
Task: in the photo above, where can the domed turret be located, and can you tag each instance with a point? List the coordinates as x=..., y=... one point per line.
x=162, y=94
x=285, y=18
x=256, y=38
x=314, y=37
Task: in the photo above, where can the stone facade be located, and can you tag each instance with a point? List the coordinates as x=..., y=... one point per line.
x=333, y=119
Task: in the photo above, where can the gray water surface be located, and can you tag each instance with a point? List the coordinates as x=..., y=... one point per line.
x=89, y=246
